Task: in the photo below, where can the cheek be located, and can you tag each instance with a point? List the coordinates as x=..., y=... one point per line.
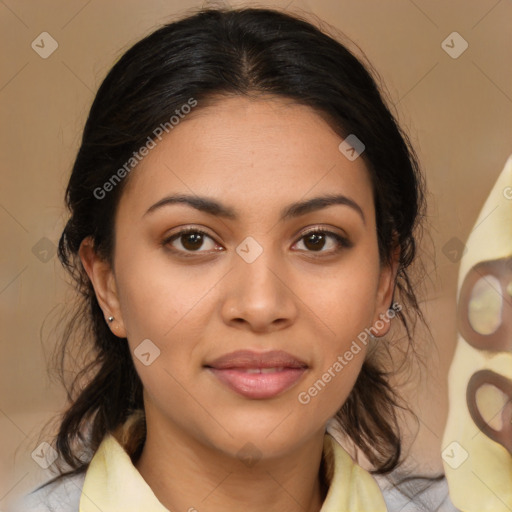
x=345, y=299
x=171, y=307
x=329, y=387
x=156, y=298
x=346, y=307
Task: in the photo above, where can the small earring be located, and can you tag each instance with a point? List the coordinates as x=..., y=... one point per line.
x=110, y=318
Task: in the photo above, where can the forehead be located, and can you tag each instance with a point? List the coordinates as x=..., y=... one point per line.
x=248, y=150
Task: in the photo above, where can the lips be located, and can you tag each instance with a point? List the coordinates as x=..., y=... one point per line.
x=258, y=375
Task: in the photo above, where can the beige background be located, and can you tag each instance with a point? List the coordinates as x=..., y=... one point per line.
x=458, y=112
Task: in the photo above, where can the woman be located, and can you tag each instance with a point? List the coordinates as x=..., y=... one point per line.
x=243, y=213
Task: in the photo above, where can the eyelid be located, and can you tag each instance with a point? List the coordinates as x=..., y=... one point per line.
x=183, y=231
x=323, y=229
x=341, y=239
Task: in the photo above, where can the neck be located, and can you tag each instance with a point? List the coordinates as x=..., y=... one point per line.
x=189, y=476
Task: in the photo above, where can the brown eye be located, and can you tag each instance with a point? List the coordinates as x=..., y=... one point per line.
x=316, y=240
x=190, y=240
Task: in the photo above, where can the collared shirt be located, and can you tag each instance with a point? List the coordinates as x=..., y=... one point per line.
x=113, y=484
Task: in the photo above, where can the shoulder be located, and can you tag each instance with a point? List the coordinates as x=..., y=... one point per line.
x=417, y=494
x=60, y=496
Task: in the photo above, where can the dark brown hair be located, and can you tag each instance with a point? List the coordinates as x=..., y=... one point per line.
x=214, y=53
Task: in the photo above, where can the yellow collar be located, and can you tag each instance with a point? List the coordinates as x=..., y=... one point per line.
x=112, y=483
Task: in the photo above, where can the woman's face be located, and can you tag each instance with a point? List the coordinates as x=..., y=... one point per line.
x=255, y=280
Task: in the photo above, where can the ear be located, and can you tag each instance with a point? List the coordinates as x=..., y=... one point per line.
x=385, y=292
x=103, y=280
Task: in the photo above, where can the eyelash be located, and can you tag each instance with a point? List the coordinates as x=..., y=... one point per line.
x=343, y=242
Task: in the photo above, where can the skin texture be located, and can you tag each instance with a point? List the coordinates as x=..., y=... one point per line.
x=256, y=156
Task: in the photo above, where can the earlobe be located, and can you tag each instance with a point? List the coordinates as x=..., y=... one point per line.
x=103, y=281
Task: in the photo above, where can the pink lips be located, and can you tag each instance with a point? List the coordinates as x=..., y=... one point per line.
x=258, y=375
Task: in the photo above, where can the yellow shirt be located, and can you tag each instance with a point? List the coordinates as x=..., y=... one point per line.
x=113, y=484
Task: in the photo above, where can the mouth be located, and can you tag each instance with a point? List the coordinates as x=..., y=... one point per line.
x=258, y=375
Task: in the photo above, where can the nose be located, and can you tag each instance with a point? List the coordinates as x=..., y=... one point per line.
x=259, y=295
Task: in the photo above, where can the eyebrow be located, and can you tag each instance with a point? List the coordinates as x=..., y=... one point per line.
x=213, y=207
